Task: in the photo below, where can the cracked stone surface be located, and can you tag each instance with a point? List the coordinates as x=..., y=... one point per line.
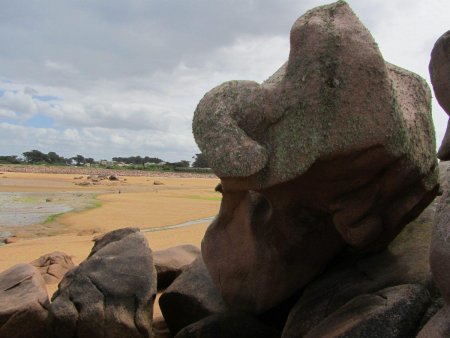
x=53, y=266
x=389, y=313
x=190, y=298
x=404, y=261
x=23, y=303
x=439, y=325
x=336, y=149
x=111, y=293
x=170, y=262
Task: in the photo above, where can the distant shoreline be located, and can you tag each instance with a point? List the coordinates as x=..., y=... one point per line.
x=97, y=171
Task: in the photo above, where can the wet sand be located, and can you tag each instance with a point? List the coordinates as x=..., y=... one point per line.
x=108, y=205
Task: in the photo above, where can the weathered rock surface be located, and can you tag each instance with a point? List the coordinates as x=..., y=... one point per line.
x=389, y=313
x=23, y=303
x=53, y=266
x=191, y=297
x=439, y=326
x=336, y=149
x=111, y=293
x=160, y=328
x=404, y=261
x=440, y=78
x=169, y=263
x=228, y=324
x=440, y=241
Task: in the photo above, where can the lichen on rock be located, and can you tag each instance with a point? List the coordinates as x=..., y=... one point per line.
x=335, y=149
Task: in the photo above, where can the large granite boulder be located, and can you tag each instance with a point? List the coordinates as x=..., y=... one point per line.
x=404, y=261
x=440, y=78
x=111, y=293
x=191, y=297
x=23, y=303
x=336, y=149
x=170, y=262
x=53, y=266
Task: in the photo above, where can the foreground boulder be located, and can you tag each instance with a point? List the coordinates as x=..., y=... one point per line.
x=53, y=266
x=111, y=293
x=404, y=261
x=389, y=313
x=23, y=303
x=228, y=324
x=336, y=149
x=169, y=263
x=439, y=325
x=191, y=297
x=440, y=78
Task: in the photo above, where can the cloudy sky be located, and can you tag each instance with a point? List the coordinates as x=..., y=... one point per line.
x=107, y=78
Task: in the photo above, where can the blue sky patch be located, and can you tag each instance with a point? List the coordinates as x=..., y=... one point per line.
x=39, y=121
x=46, y=97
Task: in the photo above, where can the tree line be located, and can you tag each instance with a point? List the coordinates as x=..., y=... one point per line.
x=38, y=157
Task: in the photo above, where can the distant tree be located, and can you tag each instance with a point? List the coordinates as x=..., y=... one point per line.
x=137, y=160
x=53, y=157
x=89, y=160
x=10, y=159
x=200, y=161
x=152, y=160
x=35, y=156
x=79, y=160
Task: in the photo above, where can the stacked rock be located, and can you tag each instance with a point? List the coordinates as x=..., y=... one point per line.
x=335, y=150
x=439, y=325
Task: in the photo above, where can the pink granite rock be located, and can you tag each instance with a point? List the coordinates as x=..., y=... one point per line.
x=440, y=78
x=23, y=303
x=336, y=148
x=53, y=266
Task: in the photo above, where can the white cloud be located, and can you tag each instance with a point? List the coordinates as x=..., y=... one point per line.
x=96, y=142
x=21, y=105
x=128, y=75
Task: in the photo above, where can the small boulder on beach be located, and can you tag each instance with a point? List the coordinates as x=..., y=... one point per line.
x=111, y=293
x=53, y=266
x=169, y=263
x=23, y=303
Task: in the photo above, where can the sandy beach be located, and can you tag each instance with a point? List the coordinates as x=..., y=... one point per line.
x=101, y=205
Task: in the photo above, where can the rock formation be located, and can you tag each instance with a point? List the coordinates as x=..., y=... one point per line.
x=23, y=303
x=190, y=298
x=169, y=263
x=440, y=78
x=404, y=261
x=110, y=294
x=439, y=325
x=388, y=313
x=336, y=149
x=53, y=266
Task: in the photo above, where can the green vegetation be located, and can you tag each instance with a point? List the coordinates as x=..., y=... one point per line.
x=200, y=161
x=36, y=157
x=92, y=205
x=52, y=218
x=28, y=199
